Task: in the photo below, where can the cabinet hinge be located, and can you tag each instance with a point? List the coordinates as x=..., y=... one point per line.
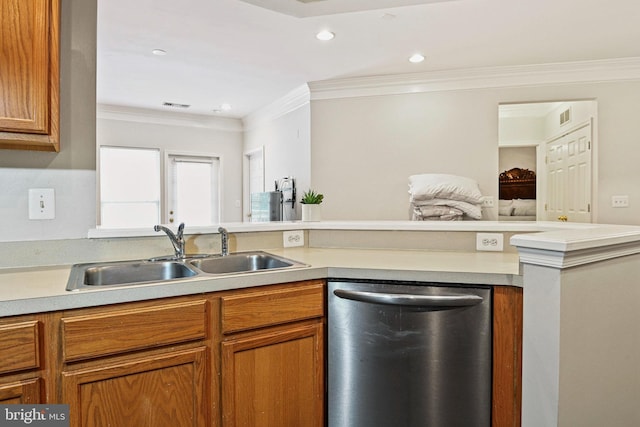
x=589, y=207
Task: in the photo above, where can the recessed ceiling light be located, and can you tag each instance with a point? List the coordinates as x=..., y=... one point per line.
x=416, y=58
x=325, y=35
x=159, y=52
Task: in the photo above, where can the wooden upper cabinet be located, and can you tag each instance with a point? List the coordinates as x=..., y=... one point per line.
x=29, y=74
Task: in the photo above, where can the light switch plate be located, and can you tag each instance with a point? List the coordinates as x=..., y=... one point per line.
x=293, y=238
x=42, y=203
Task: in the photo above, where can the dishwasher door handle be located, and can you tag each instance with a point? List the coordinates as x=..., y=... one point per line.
x=427, y=301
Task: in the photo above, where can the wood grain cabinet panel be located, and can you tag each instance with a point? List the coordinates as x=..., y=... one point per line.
x=272, y=361
x=21, y=392
x=114, y=332
x=29, y=74
x=168, y=390
x=274, y=379
x=267, y=307
x=19, y=347
x=507, y=356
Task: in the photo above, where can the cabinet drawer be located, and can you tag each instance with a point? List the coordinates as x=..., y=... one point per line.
x=271, y=307
x=116, y=332
x=19, y=346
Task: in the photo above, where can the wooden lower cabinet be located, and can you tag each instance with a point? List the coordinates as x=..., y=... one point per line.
x=272, y=362
x=274, y=379
x=167, y=390
x=21, y=392
x=21, y=367
x=142, y=364
x=247, y=357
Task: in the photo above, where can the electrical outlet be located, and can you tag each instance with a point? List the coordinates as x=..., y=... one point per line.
x=487, y=201
x=489, y=242
x=42, y=203
x=292, y=239
x=619, y=201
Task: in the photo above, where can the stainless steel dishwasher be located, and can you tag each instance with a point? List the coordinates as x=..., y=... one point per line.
x=408, y=355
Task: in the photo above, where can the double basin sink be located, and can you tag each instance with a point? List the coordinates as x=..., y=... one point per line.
x=124, y=273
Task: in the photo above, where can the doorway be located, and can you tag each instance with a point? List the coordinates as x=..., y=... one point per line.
x=565, y=162
x=253, y=178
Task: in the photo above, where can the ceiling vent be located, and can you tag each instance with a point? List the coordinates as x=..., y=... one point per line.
x=175, y=105
x=565, y=116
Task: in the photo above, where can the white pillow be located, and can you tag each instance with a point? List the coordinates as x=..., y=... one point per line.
x=505, y=207
x=471, y=210
x=442, y=186
x=505, y=210
x=524, y=207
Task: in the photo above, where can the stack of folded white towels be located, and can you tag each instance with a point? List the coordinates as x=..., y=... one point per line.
x=444, y=197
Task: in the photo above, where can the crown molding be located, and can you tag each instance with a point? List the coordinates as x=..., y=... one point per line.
x=479, y=78
x=290, y=102
x=144, y=115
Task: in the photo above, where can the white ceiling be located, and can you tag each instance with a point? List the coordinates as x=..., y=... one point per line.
x=236, y=52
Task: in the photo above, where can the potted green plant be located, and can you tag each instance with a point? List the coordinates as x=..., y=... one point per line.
x=311, y=205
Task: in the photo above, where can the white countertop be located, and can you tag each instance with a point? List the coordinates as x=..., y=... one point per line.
x=34, y=290
x=558, y=245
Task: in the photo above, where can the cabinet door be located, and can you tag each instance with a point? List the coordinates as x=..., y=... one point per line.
x=274, y=379
x=162, y=390
x=19, y=346
x=29, y=74
x=21, y=392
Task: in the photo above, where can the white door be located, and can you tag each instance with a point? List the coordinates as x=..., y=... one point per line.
x=193, y=189
x=569, y=177
x=254, y=178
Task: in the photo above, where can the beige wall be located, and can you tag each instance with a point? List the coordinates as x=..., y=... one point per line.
x=517, y=157
x=364, y=148
x=212, y=136
x=286, y=143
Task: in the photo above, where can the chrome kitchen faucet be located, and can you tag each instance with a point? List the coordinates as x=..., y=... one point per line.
x=177, y=240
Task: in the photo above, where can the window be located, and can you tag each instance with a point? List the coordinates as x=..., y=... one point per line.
x=193, y=189
x=129, y=187
x=131, y=183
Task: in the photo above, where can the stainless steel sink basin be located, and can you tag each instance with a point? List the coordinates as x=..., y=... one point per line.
x=160, y=270
x=127, y=273
x=243, y=262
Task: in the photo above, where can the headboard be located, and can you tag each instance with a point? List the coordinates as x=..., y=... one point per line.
x=517, y=183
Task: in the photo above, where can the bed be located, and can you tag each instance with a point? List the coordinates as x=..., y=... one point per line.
x=517, y=194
